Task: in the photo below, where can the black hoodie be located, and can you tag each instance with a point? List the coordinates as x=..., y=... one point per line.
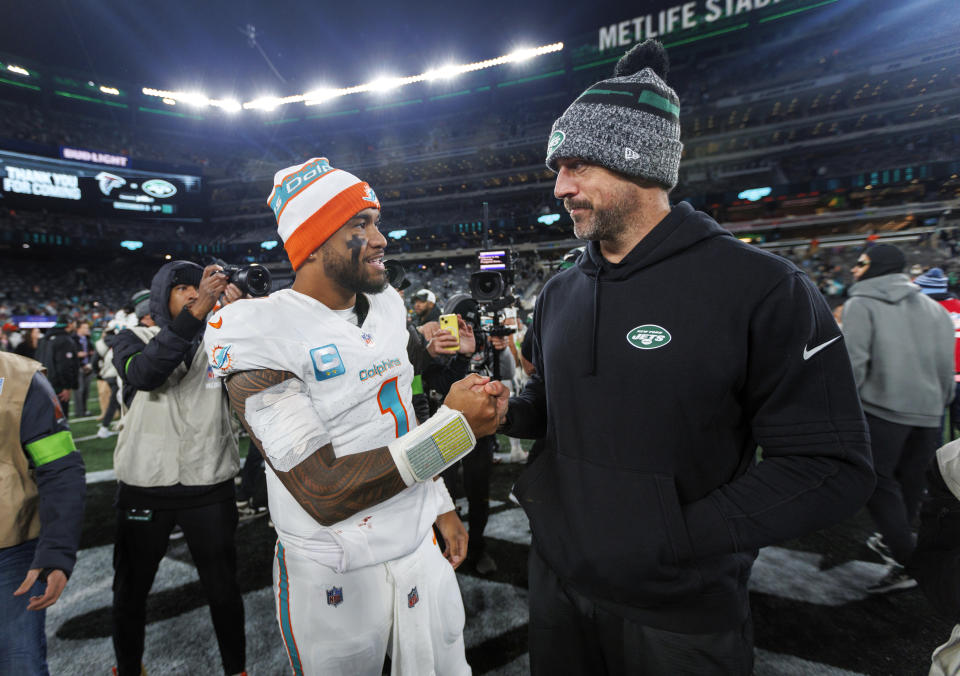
x=660, y=376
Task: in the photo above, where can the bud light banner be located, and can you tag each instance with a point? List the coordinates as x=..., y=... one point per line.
x=32, y=182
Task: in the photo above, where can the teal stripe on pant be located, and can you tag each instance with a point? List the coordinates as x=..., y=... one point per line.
x=283, y=591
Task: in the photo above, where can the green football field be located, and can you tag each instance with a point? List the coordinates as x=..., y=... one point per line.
x=98, y=453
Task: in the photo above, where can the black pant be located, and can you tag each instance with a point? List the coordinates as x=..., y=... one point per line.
x=141, y=544
x=901, y=455
x=476, y=488
x=570, y=634
x=112, y=405
x=955, y=414
x=253, y=481
x=82, y=392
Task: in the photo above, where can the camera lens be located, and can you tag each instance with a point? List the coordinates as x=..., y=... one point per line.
x=487, y=286
x=258, y=280
x=395, y=273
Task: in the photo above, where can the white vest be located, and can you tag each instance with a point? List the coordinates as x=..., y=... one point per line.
x=359, y=380
x=181, y=432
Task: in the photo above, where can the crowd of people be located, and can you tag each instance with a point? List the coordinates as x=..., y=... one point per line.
x=358, y=414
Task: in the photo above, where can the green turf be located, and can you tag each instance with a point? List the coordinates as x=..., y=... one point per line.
x=98, y=453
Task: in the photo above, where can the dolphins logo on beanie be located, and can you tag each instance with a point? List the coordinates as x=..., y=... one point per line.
x=629, y=123
x=311, y=201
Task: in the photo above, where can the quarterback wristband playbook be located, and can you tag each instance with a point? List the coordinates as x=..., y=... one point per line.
x=429, y=449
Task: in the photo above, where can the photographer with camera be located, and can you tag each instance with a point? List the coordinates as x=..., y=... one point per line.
x=175, y=460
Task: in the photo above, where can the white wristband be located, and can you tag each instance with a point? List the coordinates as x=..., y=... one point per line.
x=433, y=446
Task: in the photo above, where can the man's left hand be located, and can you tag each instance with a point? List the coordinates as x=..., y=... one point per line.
x=499, y=343
x=442, y=343
x=468, y=342
x=454, y=536
x=230, y=294
x=498, y=391
x=56, y=581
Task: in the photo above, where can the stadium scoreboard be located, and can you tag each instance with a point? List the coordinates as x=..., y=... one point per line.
x=32, y=182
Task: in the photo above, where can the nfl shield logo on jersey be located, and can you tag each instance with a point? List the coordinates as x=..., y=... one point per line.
x=412, y=598
x=335, y=596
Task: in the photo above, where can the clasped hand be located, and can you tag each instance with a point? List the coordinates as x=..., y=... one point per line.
x=483, y=402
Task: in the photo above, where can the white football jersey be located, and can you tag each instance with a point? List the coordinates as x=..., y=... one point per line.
x=359, y=381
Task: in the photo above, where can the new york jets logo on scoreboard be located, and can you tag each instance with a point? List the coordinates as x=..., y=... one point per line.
x=157, y=187
x=648, y=337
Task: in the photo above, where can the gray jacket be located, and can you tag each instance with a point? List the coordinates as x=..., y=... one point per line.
x=901, y=347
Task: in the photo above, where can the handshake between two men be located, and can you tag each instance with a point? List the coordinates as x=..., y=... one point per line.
x=482, y=401
x=473, y=408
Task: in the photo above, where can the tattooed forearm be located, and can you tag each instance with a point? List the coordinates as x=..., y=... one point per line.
x=330, y=489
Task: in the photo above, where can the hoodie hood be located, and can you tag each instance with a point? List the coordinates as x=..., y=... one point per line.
x=891, y=288
x=681, y=229
x=163, y=281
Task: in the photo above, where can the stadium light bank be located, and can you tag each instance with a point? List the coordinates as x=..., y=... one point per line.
x=380, y=84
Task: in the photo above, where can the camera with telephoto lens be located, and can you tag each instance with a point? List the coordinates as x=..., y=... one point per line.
x=492, y=285
x=253, y=279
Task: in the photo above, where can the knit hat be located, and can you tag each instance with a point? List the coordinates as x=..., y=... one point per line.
x=141, y=303
x=629, y=123
x=312, y=201
x=932, y=281
x=885, y=259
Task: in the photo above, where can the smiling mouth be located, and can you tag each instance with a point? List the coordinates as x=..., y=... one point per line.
x=376, y=261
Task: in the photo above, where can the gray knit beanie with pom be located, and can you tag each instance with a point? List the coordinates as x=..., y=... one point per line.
x=629, y=123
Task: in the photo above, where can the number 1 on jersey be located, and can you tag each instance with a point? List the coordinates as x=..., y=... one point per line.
x=389, y=400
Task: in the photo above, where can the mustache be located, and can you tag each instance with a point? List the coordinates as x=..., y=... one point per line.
x=570, y=205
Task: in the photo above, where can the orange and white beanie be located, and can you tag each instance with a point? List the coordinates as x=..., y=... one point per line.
x=312, y=201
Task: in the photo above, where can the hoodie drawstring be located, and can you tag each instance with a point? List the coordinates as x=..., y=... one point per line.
x=596, y=322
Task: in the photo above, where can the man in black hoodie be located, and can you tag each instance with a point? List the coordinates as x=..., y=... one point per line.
x=175, y=461
x=663, y=359
x=58, y=353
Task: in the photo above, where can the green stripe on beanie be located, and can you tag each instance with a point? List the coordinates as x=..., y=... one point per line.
x=629, y=123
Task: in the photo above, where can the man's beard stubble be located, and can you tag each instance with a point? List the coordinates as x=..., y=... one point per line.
x=350, y=275
x=605, y=224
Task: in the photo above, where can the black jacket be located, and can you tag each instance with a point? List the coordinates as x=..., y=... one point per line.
x=58, y=353
x=61, y=483
x=656, y=380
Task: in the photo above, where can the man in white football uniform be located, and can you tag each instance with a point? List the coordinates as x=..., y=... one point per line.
x=320, y=378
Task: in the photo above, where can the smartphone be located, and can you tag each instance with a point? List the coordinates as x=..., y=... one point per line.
x=449, y=323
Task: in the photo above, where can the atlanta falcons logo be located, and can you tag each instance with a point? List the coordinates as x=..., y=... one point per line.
x=108, y=182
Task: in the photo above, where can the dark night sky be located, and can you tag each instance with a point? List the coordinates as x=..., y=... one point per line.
x=176, y=44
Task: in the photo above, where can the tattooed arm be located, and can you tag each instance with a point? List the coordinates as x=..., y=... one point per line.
x=329, y=488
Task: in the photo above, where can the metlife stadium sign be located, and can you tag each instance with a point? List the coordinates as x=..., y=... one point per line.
x=675, y=19
x=34, y=182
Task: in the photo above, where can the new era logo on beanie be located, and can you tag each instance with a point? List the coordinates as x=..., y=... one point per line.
x=629, y=123
x=311, y=201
